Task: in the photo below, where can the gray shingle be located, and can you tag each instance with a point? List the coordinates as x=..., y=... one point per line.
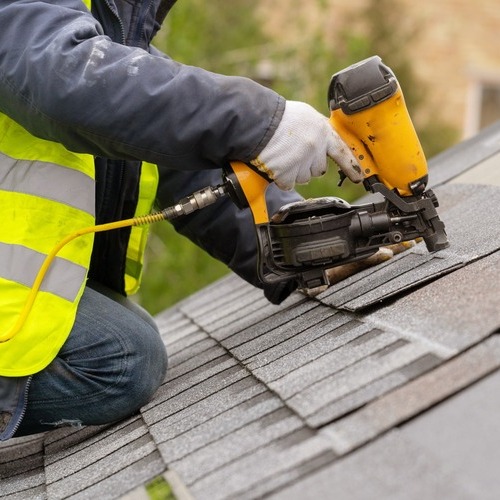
x=330, y=365
x=454, y=161
x=487, y=172
x=455, y=312
x=313, y=342
x=317, y=340
x=200, y=306
x=197, y=376
x=240, y=442
x=124, y=480
x=391, y=468
x=461, y=433
x=360, y=374
x=445, y=453
x=274, y=326
x=78, y=469
x=359, y=285
x=22, y=473
x=171, y=398
x=418, y=395
x=204, y=353
x=174, y=325
x=195, y=414
x=267, y=467
x=197, y=341
x=257, y=310
x=219, y=426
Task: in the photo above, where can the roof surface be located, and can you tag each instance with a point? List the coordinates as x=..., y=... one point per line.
x=384, y=386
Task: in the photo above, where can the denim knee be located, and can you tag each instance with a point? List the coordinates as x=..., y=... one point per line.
x=144, y=354
x=146, y=367
x=111, y=365
x=143, y=369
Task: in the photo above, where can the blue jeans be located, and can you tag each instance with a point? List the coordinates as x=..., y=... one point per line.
x=110, y=366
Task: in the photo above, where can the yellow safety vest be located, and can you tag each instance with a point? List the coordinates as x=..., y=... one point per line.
x=46, y=193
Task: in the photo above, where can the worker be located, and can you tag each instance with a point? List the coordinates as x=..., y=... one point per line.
x=96, y=124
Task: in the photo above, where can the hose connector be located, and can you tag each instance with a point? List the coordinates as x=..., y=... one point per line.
x=195, y=201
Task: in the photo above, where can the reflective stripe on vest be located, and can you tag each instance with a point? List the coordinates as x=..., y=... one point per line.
x=139, y=234
x=39, y=178
x=46, y=193
x=21, y=265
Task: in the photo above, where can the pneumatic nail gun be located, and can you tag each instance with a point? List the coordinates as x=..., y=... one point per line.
x=304, y=239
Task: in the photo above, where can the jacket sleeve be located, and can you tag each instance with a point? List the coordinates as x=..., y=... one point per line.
x=224, y=231
x=64, y=80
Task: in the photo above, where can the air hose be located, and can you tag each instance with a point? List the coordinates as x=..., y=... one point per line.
x=185, y=206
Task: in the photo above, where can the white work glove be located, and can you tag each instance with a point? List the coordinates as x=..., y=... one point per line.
x=299, y=148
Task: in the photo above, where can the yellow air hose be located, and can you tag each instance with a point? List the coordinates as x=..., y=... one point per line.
x=136, y=221
x=187, y=205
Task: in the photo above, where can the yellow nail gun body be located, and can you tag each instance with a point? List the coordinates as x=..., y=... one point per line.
x=368, y=111
x=304, y=239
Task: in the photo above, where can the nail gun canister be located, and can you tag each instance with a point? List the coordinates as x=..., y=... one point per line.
x=369, y=113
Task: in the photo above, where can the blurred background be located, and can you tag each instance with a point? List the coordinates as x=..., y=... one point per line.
x=445, y=55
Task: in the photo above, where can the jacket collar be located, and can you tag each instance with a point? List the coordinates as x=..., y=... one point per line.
x=139, y=20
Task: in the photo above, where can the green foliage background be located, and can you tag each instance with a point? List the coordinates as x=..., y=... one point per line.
x=231, y=41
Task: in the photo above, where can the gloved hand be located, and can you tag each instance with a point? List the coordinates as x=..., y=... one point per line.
x=299, y=148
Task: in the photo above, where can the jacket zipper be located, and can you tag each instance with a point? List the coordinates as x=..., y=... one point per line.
x=117, y=17
x=25, y=406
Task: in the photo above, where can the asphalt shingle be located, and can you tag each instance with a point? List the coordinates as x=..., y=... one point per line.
x=391, y=468
x=451, y=314
x=22, y=473
x=111, y=460
x=453, y=162
x=400, y=405
x=268, y=467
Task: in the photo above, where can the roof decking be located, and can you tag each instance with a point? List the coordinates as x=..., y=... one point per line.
x=385, y=386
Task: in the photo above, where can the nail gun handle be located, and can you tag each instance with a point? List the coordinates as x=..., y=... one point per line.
x=368, y=111
x=247, y=188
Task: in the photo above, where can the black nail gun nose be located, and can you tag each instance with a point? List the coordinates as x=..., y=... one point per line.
x=304, y=239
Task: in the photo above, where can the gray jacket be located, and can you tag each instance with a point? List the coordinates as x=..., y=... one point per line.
x=94, y=84
x=64, y=78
